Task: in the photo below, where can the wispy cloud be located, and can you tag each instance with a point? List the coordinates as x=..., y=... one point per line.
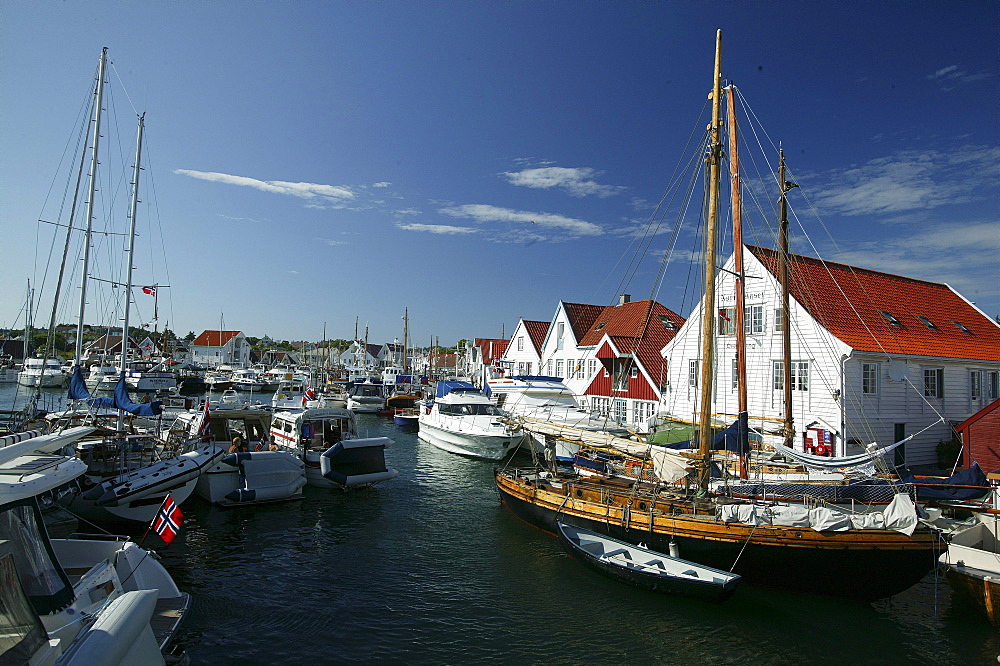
x=912, y=180
x=242, y=219
x=579, y=181
x=301, y=190
x=484, y=213
x=437, y=229
x=932, y=253
x=953, y=75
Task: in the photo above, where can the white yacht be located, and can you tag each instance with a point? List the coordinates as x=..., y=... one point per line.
x=76, y=600
x=538, y=398
x=291, y=394
x=462, y=420
x=326, y=441
x=367, y=395
x=46, y=373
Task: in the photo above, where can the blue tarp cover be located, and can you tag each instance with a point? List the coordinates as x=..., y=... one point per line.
x=445, y=387
x=726, y=440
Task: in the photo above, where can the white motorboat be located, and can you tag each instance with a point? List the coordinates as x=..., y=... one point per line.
x=46, y=373
x=236, y=477
x=291, y=394
x=250, y=380
x=537, y=398
x=367, y=395
x=326, y=441
x=462, y=420
x=76, y=600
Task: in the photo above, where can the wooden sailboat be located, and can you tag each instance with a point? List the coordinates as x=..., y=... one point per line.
x=818, y=548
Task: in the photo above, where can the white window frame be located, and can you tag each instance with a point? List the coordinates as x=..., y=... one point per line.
x=934, y=382
x=870, y=376
x=693, y=372
x=726, y=321
x=753, y=319
x=520, y=343
x=976, y=385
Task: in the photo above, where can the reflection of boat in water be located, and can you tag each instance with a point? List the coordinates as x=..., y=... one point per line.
x=327, y=443
x=645, y=568
x=464, y=421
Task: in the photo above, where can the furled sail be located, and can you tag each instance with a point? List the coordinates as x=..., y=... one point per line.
x=78, y=391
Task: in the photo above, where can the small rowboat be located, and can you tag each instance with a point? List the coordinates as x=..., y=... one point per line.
x=646, y=568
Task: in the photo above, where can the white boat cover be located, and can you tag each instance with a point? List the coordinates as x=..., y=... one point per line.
x=899, y=515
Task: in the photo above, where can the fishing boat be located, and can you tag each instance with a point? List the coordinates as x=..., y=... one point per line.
x=462, y=420
x=645, y=568
x=327, y=442
x=853, y=550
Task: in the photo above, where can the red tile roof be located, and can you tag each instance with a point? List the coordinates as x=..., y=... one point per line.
x=491, y=348
x=849, y=302
x=214, y=338
x=638, y=328
x=581, y=317
x=537, y=331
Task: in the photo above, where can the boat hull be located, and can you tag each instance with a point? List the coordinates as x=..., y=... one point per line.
x=859, y=564
x=716, y=586
x=981, y=588
x=470, y=444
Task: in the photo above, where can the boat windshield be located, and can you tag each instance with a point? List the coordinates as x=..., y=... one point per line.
x=23, y=537
x=476, y=409
x=21, y=631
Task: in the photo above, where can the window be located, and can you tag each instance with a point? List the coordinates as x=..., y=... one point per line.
x=642, y=412
x=559, y=368
x=799, y=372
x=869, y=378
x=592, y=367
x=570, y=369
x=753, y=320
x=621, y=411
x=993, y=385
x=934, y=382
x=667, y=323
x=600, y=326
x=961, y=327
x=635, y=372
x=520, y=343
x=548, y=367
x=976, y=384
x=736, y=374
x=727, y=321
x=890, y=318
x=927, y=322
x=693, y=373
x=779, y=321
x=619, y=380
x=560, y=330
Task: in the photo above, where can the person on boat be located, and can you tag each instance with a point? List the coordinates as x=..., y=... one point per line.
x=273, y=446
x=238, y=445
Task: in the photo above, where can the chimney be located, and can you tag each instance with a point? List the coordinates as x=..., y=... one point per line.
x=623, y=299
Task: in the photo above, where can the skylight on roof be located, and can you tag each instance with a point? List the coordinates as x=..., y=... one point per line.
x=961, y=327
x=890, y=318
x=667, y=323
x=600, y=326
x=928, y=323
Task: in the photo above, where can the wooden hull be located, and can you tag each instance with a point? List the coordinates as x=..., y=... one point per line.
x=979, y=587
x=860, y=564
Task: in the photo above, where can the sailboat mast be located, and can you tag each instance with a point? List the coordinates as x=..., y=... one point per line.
x=92, y=188
x=786, y=330
x=131, y=240
x=406, y=332
x=713, y=159
x=741, y=333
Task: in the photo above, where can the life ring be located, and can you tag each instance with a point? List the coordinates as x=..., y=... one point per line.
x=820, y=449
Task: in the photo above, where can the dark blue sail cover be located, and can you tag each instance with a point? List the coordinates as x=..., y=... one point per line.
x=726, y=440
x=968, y=484
x=78, y=391
x=124, y=403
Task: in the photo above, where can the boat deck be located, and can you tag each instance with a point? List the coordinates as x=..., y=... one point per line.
x=167, y=618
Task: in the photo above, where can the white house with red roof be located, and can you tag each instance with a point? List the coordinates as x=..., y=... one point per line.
x=559, y=353
x=523, y=354
x=875, y=357
x=621, y=352
x=215, y=348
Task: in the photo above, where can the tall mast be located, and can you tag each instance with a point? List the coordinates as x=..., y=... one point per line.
x=92, y=188
x=406, y=332
x=786, y=333
x=713, y=158
x=741, y=335
x=131, y=239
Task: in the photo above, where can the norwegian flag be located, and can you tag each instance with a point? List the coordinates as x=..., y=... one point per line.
x=149, y=290
x=310, y=394
x=722, y=313
x=168, y=520
x=203, y=429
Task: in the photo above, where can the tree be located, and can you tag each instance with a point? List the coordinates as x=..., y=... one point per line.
x=190, y=337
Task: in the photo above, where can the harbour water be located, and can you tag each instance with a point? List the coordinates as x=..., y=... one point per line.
x=430, y=568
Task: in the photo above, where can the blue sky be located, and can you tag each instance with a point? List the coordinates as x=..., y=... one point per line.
x=477, y=162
